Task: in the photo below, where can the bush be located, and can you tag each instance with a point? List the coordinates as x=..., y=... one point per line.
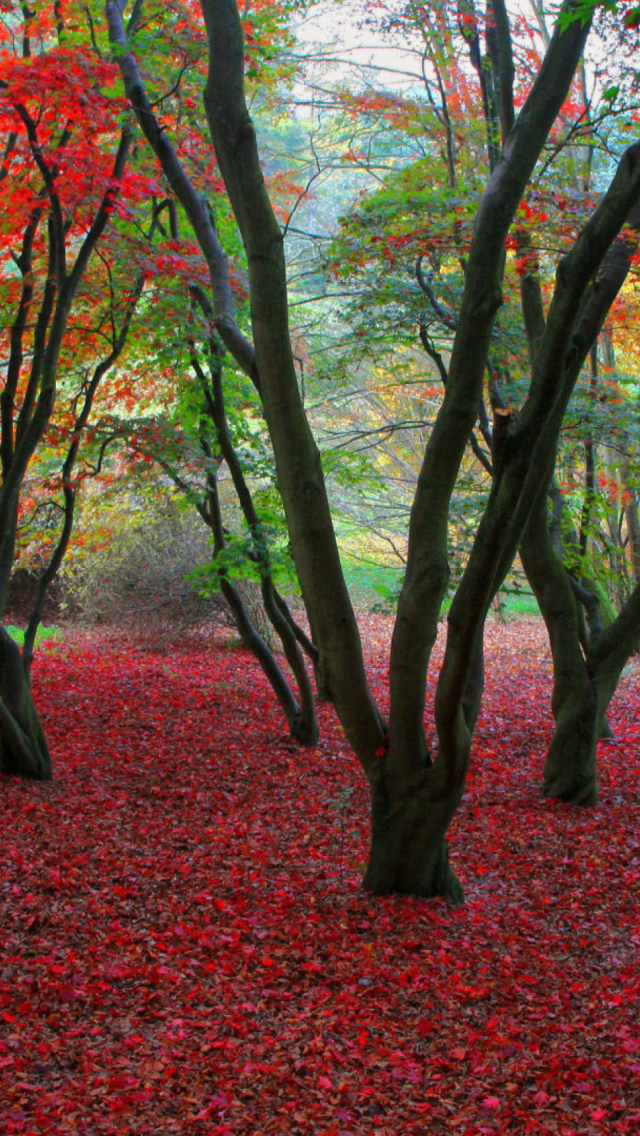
x=141, y=575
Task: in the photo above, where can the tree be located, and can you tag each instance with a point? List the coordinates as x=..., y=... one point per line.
x=587, y=658
x=78, y=261
x=60, y=184
x=371, y=255
x=414, y=797
x=192, y=456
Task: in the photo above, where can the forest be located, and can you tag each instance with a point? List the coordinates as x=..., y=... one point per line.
x=319, y=567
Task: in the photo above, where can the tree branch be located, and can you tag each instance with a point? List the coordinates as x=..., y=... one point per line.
x=197, y=209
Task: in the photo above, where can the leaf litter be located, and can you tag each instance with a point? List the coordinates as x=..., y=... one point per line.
x=185, y=948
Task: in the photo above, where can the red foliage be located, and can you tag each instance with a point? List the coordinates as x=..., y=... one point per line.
x=185, y=949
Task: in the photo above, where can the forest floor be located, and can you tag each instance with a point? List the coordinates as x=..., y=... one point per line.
x=185, y=948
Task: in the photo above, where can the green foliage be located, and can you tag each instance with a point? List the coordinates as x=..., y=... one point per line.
x=584, y=10
x=374, y=586
x=50, y=634
x=234, y=562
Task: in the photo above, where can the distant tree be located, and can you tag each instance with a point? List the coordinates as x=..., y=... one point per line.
x=192, y=446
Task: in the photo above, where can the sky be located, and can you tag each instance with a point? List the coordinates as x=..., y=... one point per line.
x=333, y=31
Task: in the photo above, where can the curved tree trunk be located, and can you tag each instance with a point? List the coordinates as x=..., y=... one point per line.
x=570, y=767
x=23, y=748
x=583, y=685
x=521, y=459
x=300, y=718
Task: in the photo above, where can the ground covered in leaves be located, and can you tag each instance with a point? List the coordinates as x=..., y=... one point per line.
x=184, y=948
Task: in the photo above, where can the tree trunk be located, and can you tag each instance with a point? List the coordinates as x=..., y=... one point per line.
x=570, y=767
x=23, y=748
x=570, y=770
x=409, y=853
x=583, y=684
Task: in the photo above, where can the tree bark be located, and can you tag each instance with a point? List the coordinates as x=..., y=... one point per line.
x=570, y=767
x=23, y=748
x=409, y=853
x=584, y=681
x=586, y=667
